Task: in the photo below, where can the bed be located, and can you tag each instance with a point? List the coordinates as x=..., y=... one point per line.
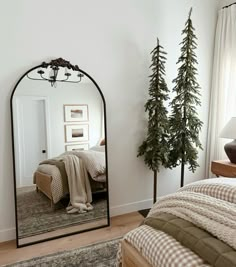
x=195, y=226
x=50, y=179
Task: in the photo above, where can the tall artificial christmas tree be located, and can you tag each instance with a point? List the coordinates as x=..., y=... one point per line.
x=185, y=125
x=155, y=147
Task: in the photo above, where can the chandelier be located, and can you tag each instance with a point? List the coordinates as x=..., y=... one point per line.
x=58, y=70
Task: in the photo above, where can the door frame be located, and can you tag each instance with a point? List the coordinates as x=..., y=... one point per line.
x=18, y=123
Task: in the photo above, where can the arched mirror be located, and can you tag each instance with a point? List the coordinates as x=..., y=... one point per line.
x=60, y=153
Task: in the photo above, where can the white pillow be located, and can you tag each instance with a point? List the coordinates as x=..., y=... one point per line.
x=94, y=161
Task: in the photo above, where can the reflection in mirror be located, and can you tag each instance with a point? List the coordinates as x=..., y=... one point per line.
x=60, y=156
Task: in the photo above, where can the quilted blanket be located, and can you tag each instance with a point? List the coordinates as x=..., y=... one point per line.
x=211, y=214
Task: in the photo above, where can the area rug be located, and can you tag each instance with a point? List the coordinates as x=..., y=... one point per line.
x=35, y=215
x=97, y=255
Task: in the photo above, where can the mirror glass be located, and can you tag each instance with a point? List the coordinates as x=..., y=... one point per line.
x=60, y=156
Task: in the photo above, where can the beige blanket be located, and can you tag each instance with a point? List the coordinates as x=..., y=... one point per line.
x=213, y=215
x=79, y=185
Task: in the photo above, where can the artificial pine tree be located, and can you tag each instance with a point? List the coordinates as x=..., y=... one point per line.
x=155, y=147
x=184, y=122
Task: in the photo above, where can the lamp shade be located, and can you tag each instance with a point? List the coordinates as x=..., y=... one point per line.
x=229, y=131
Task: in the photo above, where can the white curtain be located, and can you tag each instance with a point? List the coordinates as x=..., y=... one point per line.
x=223, y=91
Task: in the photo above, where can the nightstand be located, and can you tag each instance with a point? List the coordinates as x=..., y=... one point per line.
x=223, y=168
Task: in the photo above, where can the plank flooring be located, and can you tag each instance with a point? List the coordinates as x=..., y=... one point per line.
x=119, y=226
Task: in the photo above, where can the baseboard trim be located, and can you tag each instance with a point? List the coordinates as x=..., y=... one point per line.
x=10, y=234
x=7, y=234
x=130, y=207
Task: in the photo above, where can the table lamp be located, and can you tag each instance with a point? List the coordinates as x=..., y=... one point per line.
x=229, y=131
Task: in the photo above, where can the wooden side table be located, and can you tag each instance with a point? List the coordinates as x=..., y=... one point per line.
x=223, y=168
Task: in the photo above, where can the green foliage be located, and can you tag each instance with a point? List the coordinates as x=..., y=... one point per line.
x=155, y=147
x=185, y=125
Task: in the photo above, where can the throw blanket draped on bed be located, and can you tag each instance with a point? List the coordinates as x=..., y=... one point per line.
x=79, y=186
x=213, y=215
x=205, y=245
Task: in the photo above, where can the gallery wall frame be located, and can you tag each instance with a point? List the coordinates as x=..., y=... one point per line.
x=76, y=133
x=76, y=113
x=77, y=147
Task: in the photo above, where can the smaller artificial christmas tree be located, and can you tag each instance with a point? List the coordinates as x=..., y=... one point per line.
x=155, y=146
x=185, y=125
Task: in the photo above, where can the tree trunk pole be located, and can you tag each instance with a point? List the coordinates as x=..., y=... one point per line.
x=182, y=162
x=183, y=149
x=182, y=174
x=155, y=187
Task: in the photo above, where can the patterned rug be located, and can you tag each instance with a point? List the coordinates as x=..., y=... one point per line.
x=97, y=255
x=35, y=215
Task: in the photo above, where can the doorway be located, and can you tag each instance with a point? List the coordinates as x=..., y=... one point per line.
x=31, y=134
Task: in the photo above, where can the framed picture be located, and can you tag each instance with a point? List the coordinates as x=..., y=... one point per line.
x=75, y=113
x=76, y=133
x=77, y=147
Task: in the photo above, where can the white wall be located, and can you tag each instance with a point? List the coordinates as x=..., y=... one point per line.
x=111, y=40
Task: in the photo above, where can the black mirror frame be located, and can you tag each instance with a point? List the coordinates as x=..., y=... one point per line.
x=61, y=63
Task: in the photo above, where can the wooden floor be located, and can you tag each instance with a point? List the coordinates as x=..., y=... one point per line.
x=119, y=226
